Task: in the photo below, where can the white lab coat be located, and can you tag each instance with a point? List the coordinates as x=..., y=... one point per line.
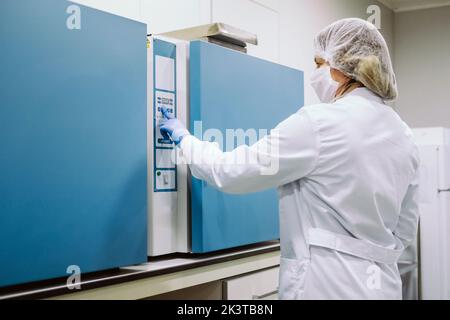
x=347, y=184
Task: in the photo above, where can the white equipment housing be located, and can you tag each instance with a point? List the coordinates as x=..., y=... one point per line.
x=168, y=221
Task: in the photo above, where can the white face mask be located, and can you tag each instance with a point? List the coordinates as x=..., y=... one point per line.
x=323, y=84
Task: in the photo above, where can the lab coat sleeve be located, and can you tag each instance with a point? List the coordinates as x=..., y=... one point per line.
x=407, y=227
x=287, y=154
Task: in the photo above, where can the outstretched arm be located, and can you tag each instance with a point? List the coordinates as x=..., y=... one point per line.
x=289, y=153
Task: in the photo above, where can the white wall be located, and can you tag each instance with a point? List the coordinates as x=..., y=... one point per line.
x=285, y=28
x=422, y=53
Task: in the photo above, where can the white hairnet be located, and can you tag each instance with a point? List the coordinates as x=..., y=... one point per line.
x=356, y=48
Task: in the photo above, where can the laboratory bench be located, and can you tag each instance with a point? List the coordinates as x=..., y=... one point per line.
x=249, y=272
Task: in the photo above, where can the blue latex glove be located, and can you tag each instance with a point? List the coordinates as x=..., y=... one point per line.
x=172, y=128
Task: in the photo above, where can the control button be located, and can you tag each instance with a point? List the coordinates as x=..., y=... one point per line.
x=165, y=179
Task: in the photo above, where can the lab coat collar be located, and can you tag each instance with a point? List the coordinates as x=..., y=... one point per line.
x=366, y=93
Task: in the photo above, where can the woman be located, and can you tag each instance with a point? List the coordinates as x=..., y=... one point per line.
x=347, y=173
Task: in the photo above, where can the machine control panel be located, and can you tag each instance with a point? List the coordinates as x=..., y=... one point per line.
x=168, y=218
x=165, y=169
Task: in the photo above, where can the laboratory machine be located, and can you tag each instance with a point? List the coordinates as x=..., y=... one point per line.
x=87, y=181
x=217, y=91
x=434, y=208
x=73, y=145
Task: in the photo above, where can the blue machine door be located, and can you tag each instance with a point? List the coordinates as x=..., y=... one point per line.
x=231, y=90
x=73, y=149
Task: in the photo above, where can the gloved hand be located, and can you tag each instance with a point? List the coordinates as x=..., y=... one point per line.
x=172, y=128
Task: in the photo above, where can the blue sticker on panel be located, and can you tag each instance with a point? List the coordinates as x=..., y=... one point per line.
x=73, y=155
x=231, y=90
x=165, y=95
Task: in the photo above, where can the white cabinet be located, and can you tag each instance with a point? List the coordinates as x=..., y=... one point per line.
x=434, y=204
x=261, y=285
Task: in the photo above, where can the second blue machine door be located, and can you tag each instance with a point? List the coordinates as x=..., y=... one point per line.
x=232, y=90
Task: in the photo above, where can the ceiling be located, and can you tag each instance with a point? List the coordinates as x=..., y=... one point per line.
x=408, y=5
